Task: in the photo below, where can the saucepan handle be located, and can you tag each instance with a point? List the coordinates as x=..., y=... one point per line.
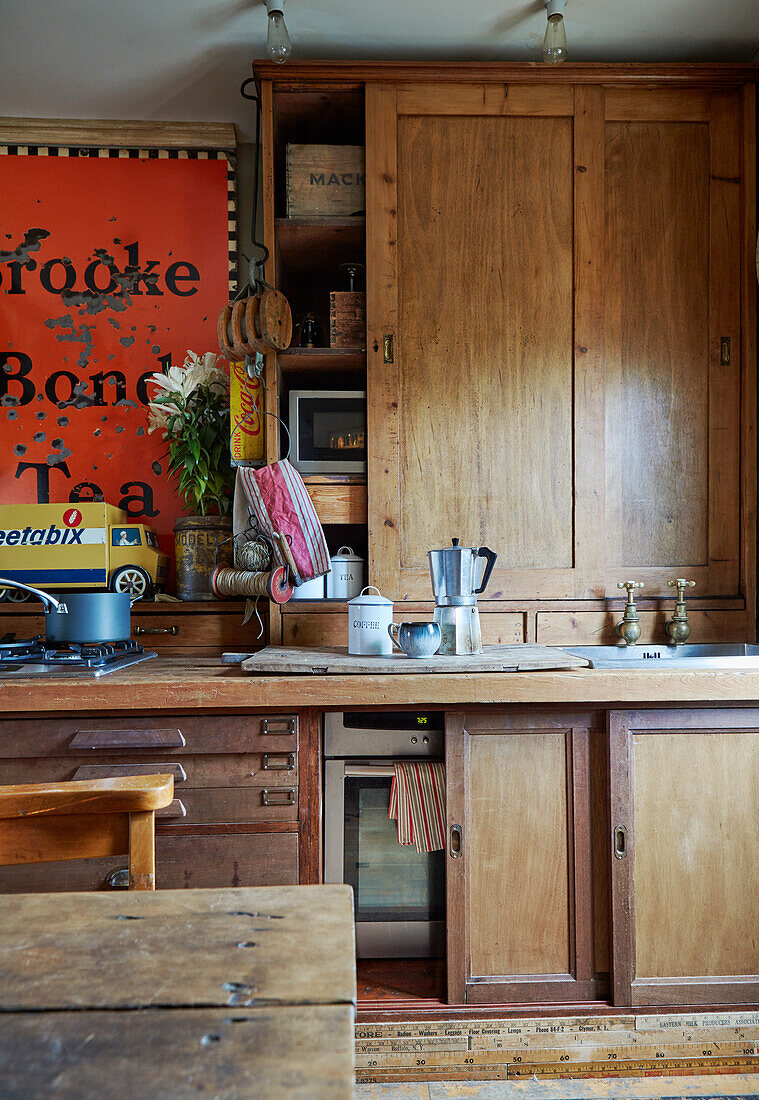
x=49, y=601
x=490, y=557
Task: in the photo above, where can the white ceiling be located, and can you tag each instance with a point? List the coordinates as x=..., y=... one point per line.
x=185, y=59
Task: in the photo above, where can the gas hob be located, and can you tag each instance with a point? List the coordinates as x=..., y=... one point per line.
x=33, y=657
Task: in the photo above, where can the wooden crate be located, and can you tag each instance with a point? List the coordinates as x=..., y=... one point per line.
x=347, y=319
x=325, y=180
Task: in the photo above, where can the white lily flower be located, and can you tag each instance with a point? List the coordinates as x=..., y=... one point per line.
x=175, y=387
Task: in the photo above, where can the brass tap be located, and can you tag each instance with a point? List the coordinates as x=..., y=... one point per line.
x=629, y=628
x=677, y=628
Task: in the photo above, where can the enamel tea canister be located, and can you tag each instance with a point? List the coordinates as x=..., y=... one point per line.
x=369, y=616
x=346, y=576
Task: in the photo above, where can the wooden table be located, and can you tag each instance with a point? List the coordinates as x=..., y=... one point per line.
x=178, y=993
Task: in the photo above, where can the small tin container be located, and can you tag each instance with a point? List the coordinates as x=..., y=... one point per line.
x=346, y=577
x=309, y=590
x=369, y=617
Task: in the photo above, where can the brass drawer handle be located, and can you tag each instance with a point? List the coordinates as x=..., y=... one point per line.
x=283, y=796
x=620, y=842
x=286, y=766
x=267, y=723
x=140, y=630
x=118, y=879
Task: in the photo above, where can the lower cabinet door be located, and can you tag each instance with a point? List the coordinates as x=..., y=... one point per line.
x=684, y=868
x=198, y=860
x=519, y=862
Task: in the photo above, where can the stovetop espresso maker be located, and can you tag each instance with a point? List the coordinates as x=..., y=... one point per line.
x=454, y=573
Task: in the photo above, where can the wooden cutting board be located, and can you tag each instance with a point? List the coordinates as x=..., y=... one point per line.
x=284, y=660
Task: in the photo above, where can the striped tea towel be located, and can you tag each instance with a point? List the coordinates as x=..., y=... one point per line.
x=281, y=505
x=417, y=802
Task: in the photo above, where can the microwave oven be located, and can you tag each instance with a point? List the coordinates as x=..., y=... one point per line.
x=328, y=431
x=398, y=893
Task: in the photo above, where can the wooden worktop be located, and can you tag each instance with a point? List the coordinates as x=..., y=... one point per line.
x=205, y=684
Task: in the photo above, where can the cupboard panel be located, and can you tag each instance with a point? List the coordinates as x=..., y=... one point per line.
x=684, y=787
x=522, y=793
x=518, y=863
x=479, y=346
x=657, y=343
x=696, y=877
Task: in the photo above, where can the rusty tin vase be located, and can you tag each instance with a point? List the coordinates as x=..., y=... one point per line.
x=200, y=544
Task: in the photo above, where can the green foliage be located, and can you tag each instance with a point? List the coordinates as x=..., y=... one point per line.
x=197, y=433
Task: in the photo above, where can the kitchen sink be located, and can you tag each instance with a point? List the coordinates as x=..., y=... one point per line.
x=738, y=655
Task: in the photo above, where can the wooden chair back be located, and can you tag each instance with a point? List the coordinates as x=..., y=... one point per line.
x=81, y=819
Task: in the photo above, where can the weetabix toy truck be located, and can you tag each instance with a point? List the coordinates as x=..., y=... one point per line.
x=73, y=546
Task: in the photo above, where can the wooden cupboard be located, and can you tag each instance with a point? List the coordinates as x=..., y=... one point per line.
x=684, y=875
x=559, y=268
x=561, y=328
x=525, y=869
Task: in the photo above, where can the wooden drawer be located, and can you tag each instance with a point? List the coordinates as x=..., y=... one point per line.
x=597, y=627
x=272, y=769
x=230, y=805
x=173, y=734
x=242, y=859
x=216, y=631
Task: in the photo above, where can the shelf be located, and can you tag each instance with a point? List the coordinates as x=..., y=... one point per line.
x=338, y=500
x=320, y=359
x=319, y=245
x=319, y=223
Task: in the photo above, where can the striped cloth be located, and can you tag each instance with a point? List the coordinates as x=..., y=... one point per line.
x=281, y=505
x=417, y=802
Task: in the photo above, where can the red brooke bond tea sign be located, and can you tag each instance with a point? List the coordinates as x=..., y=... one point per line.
x=111, y=266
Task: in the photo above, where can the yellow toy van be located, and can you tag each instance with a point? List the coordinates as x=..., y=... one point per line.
x=71, y=546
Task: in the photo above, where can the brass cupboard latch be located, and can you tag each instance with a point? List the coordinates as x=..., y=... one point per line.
x=724, y=351
x=387, y=347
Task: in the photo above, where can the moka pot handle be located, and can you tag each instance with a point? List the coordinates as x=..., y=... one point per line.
x=490, y=557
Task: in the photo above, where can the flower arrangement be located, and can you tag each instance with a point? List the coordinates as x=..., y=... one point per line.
x=190, y=407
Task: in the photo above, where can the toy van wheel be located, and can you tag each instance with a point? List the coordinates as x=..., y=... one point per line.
x=132, y=580
x=15, y=595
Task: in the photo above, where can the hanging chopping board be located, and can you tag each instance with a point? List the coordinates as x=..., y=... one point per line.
x=285, y=660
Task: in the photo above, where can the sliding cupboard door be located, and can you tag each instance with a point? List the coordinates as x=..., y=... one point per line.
x=672, y=363
x=471, y=254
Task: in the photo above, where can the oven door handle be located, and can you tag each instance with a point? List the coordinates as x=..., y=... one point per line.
x=369, y=771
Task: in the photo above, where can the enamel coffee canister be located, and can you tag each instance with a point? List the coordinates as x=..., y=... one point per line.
x=346, y=576
x=369, y=616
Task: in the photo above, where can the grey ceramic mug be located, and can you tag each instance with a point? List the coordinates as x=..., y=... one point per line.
x=415, y=639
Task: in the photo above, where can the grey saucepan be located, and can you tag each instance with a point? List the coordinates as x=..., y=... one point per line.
x=82, y=617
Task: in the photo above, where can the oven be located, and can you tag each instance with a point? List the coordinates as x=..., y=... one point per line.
x=399, y=893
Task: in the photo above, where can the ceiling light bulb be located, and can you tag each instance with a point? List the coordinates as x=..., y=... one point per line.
x=278, y=44
x=555, y=41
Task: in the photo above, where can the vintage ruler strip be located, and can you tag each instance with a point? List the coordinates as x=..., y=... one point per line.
x=634, y=1040
x=568, y=1055
x=503, y=1072
x=559, y=1046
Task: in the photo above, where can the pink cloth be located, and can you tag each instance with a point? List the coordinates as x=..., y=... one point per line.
x=280, y=503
